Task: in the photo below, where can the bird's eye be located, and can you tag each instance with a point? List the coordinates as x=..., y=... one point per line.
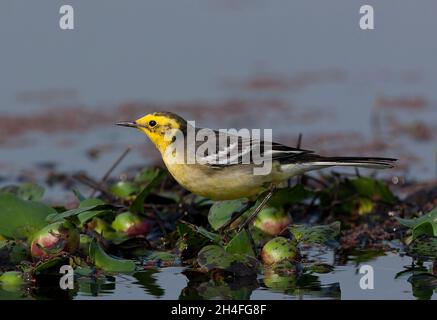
x=152, y=123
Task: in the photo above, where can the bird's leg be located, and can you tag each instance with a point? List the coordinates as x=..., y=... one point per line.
x=257, y=210
x=237, y=215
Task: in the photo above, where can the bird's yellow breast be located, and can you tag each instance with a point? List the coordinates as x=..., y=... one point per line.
x=218, y=184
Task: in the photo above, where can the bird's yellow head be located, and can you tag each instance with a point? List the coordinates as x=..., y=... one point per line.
x=160, y=127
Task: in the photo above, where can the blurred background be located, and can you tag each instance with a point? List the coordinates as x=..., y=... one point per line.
x=299, y=66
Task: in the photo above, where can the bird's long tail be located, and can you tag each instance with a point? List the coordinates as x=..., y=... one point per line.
x=364, y=162
x=311, y=162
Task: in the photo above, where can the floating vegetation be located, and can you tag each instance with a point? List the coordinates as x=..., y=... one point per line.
x=147, y=221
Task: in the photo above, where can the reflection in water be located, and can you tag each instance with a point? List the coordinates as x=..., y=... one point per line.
x=97, y=286
x=414, y=281
x=423, y=280
x=201, y=286
x=148, y=282
x=299, y=286
x=354, y=97
x=424, y=285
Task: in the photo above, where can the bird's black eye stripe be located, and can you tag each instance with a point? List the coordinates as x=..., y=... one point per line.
x=152, y=123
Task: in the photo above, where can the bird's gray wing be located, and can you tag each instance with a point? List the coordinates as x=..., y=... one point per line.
x=221, y=149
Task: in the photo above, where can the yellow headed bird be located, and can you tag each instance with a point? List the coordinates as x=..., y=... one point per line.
x=228, y=171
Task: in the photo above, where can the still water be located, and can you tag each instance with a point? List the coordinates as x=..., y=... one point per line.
x=343, y=283
x=295, y=66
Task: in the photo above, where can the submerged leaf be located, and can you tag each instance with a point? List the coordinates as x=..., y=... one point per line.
x=315, y=234
x=161, y=259
x=423, y=247
x=320, y=268
x=215, y=257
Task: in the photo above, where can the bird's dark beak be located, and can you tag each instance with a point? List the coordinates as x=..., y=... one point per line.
x=131, y=124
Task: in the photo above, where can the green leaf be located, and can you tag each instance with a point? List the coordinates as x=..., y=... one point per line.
x=107, y=263
x=146, y=175
x=12, y=278
x=286, y=196
x=124, y=189
x=46, y=265
x=222, y=212
x=315, y=234
x=83, y=271
x=19, y=252
x=215, y=257
x=424, y=247
x=373, y=189
x=88, y=215
x=161, y=258
x=25, y=191
x=137, y=205
x=75, y=212
x=91, y=202
x=169, y=195
x=240, y=244
x=424, y=225
x=19, y=218
x=190, y=240
x=214, y=237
